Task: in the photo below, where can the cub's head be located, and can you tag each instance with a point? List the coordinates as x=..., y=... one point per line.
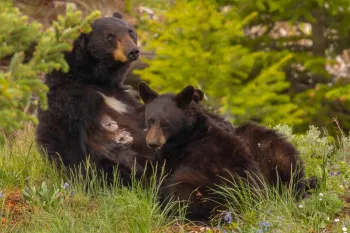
x=167, y=115
x=112, y=40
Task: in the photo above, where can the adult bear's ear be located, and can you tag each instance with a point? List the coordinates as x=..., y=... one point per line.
x=185, y=97
x=146, y=93
x=117, y=15
x=198, y=95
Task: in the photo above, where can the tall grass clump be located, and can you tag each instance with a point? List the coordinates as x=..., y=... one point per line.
x=51, y=200
x=271, y=209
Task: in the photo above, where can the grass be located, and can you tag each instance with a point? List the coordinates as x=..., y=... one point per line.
x=36, y=197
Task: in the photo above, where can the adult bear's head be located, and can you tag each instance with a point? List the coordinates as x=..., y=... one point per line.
x=112, y=41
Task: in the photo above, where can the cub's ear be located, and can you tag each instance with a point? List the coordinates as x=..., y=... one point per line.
x=146, y=93
x=184, y=98
x=198, y=95
x=117, y=15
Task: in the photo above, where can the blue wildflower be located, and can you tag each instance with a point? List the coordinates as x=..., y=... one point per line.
x=338, y=173
x=259, y=231
x=228, y=217
x=65, y=185
x=331, y=173
x=72, y=193
x=1, y=194
x=264, y=226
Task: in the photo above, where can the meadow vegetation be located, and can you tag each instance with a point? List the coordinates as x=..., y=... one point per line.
x=38, y=197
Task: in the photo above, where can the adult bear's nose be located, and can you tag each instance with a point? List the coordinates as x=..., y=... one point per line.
x=133, y=54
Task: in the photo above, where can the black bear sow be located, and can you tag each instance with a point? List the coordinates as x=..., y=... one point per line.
x=197, y=152
x=90, y=112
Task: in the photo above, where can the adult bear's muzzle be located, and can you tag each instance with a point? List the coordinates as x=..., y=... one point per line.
x=126, y=51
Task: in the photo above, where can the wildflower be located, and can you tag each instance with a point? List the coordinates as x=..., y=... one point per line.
x=338, y=173
x=344, y=229
x=228, y=217
x=331, y=173
x=65, y=185
x=321, y=194
x=259, y=231
x=1, y=194
x=72, y=193
x=327, y=218
x=336, y=220
x=264, y=226
x=320, y=199
x=301, y=206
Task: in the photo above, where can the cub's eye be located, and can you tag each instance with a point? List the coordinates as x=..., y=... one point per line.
x=110, y=37
x=150, y=121
x=165, y=124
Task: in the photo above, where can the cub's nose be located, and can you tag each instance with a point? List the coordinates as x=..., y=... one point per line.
x=133, y=54
x=153, y=145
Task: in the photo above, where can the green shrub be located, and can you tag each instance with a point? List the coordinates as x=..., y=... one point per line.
x=197, y=43
x=19, y=77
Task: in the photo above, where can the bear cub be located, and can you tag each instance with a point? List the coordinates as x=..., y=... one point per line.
x=198, y=154
x=276, y=156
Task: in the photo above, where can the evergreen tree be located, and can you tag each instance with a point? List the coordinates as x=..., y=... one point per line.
x=19, y=77
x=262, y=60
x=199, y=43
x=315, y=32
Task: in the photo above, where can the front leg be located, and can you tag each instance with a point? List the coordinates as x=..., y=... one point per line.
x=187, y=184
x=108, y=154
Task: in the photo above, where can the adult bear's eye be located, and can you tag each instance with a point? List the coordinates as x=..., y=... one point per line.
x=131, y=32
x=110, y=37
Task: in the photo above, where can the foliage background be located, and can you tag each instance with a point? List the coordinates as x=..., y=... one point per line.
x=29, y=52
x=265, y=60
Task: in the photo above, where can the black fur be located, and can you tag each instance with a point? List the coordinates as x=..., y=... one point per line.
x=198, y=154
x=73, y=127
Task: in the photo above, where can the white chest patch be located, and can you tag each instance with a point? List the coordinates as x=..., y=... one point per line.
x=119, y=135
x=115, y=104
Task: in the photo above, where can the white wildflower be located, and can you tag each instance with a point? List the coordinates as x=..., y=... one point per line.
x=344, y=229
x=321, y=194
x=301, y=206
x=336, y=220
